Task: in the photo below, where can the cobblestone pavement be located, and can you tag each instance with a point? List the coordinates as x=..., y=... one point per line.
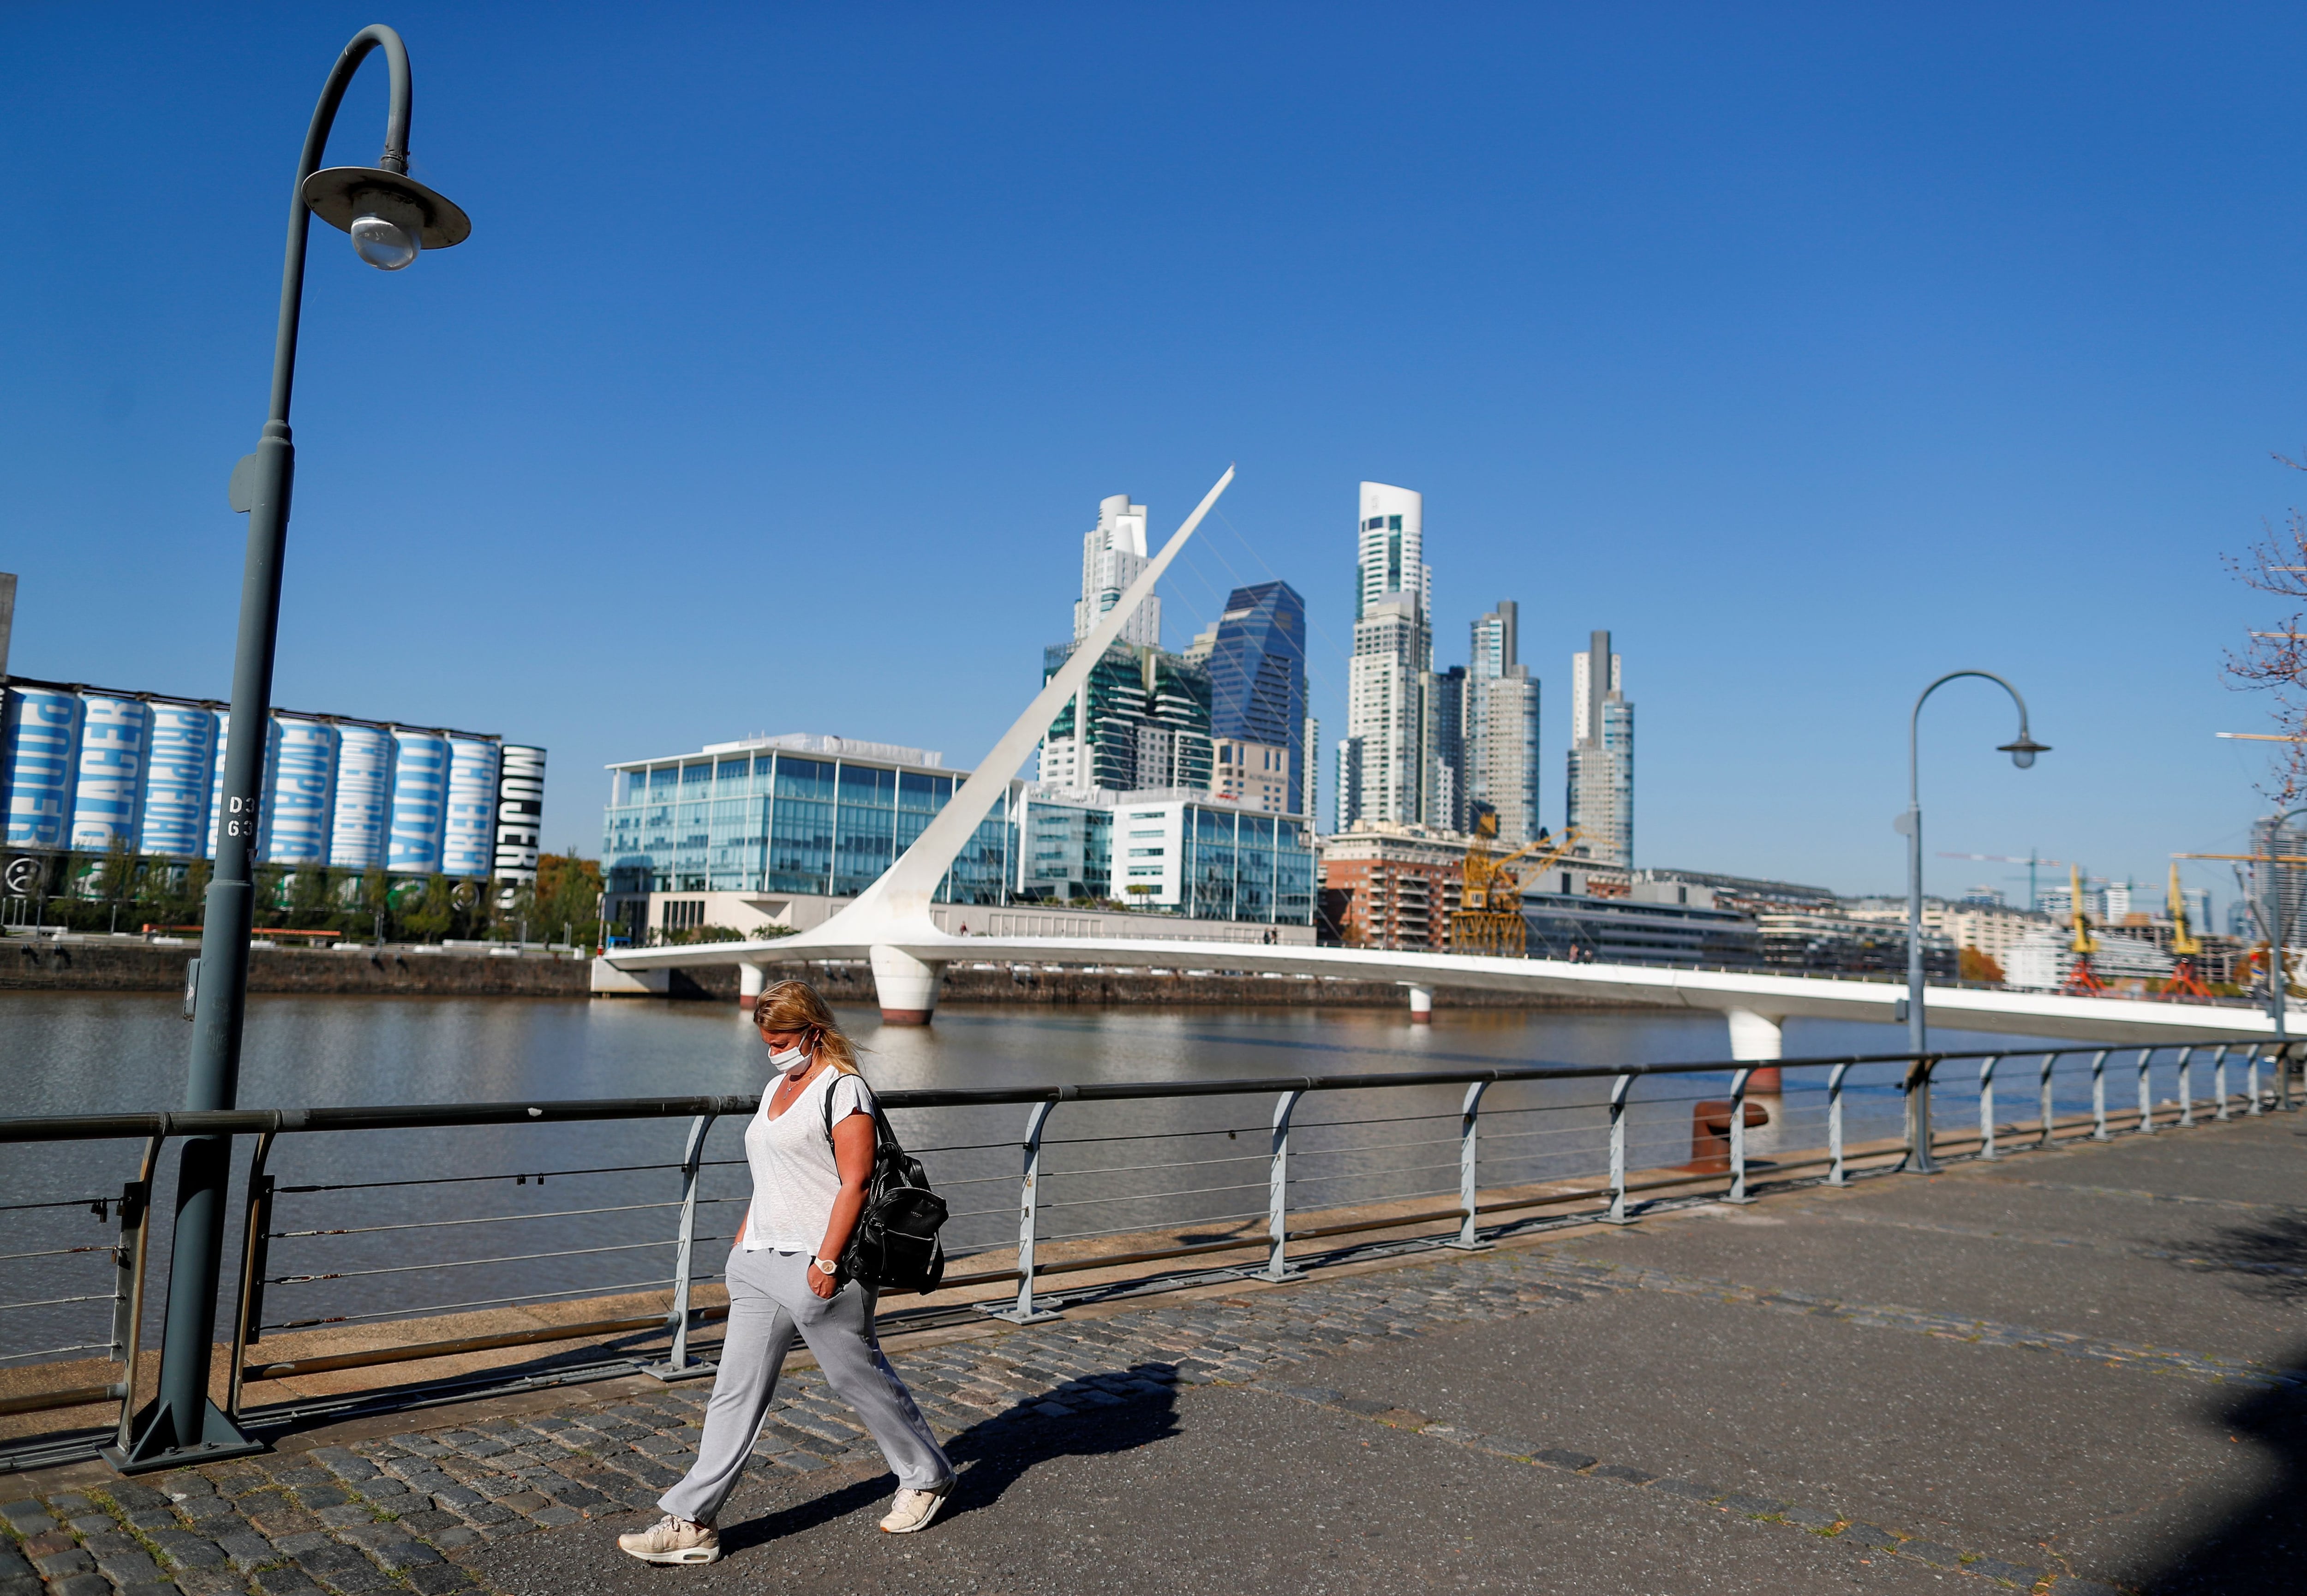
x=412, y=1511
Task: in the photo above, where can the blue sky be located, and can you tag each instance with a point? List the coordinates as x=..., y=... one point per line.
x=1814, y=350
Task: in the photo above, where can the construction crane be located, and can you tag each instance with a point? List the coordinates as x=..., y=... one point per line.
x=1488, y=919
x=2033, y=862
x=2184, y=945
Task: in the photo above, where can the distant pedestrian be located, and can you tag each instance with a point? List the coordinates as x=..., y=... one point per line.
x=809, y=1188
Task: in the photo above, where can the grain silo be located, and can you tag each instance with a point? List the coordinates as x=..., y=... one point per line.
x=179, y=767
x=357, y=832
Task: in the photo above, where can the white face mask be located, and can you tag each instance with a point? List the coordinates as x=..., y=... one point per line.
x=792, y=1058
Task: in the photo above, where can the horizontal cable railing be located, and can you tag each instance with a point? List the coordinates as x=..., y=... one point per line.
x=1149, y=1183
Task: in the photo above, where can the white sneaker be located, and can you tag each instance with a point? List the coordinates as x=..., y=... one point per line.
x=914, y=1510
x=673, y=1540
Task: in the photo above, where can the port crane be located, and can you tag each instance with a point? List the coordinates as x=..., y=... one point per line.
x=2081, y=981
x=2184, y=982
x=2261, y=958
x=1488, y=919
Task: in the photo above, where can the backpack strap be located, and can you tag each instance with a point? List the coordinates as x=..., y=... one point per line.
x=872, y=1108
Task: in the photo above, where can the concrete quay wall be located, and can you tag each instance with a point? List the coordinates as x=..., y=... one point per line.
x=134, y=966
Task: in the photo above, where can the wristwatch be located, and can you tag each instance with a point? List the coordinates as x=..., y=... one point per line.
x=828, y=1267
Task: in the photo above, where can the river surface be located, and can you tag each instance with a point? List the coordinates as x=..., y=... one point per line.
x=382, y=1224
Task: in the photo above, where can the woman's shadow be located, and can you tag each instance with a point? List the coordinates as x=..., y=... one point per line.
x=991, y=1455
x=2259, y=1545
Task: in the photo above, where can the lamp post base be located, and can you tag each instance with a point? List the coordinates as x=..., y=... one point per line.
x=154, y=1444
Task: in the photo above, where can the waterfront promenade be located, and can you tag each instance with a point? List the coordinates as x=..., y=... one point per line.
x=2067, y=1370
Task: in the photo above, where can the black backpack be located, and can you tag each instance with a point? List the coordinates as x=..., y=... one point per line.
x=895, y=1247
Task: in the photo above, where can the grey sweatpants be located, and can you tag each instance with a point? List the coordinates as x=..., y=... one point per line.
x=769, y=1299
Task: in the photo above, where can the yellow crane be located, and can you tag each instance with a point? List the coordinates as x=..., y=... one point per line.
x=2184, y=945
x=2081, y=981
x=1488, y=919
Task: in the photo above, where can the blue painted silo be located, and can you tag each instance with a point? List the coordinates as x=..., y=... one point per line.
x=420, y=796
x=39, y=738
x=179, y=768
x=110, y=772
x=363, y=789
x=468, y=846
x=300, y=769
x=215, y=778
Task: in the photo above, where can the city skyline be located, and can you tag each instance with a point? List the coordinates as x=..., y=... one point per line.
x=1768, y=346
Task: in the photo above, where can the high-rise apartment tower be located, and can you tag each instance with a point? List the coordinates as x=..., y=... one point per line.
x=1499, y=739
x=1388, y=723
x=1113, y=552
x=1601, y=804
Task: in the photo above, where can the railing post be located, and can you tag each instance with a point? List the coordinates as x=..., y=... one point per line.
x=128, y=1316
x=2219, y=1080
x=1986, y=1105
x=2098, y=1094
x=677, y=1364
x=255, y=1258
x=1467, y=1242
x=1277, y=1194
x=2186, y=1087
x=1024, y=1311
x=1617, y=1214
x=1836, y=1174
x=2049, y=1104
x=1919, y=1159
x=1738, y=1192
x=2146, y=1091
x=2250, y=1080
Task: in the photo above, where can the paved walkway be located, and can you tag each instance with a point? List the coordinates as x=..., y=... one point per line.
x=2069, y=1371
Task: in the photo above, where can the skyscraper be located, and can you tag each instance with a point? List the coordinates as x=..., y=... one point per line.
x=1124, y=725
x=1255, y=655
x=1446, y=712
x=1386, y=716
x=1601, y=756
x=1501, y=727
x=1113, y=552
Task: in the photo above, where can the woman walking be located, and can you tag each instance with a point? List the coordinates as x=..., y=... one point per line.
x=808, y=1190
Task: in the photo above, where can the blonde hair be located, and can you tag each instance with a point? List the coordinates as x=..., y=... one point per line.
x=794, y=1006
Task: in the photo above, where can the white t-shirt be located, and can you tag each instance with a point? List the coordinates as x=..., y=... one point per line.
x=795, y=1176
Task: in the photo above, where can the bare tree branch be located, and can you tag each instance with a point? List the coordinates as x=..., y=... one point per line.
x=2274, y=661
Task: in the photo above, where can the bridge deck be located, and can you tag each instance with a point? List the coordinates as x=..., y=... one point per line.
x=2069, y=1370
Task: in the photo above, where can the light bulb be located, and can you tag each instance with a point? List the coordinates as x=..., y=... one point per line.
x=384, y=244
x=2024, y=758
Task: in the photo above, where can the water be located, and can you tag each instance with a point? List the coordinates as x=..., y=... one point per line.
x=1112, y=1167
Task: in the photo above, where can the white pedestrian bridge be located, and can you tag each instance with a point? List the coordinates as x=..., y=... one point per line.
x=893, y=924
x=908, y=967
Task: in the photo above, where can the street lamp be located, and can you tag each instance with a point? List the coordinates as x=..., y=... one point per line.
x=2022, y=750
x=390, y=218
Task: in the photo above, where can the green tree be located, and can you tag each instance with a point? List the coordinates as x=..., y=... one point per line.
x=567, y=898
x=425, y=911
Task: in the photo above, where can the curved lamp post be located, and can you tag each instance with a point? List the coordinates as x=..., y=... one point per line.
x=2022, y=750
x=392, y=218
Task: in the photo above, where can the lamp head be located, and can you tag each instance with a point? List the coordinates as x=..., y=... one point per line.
x=390, y=215
x=2023, y=752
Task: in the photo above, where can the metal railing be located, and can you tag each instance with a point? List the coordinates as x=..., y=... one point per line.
x=1141, y=1194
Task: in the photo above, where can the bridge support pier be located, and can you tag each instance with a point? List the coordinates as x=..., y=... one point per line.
x=1421, y=1005
x=907, y=986
x=1760, y=1038
x=751, y=981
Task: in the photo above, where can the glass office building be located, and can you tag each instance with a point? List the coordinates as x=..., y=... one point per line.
x=817, y=815
x=1169, y=851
